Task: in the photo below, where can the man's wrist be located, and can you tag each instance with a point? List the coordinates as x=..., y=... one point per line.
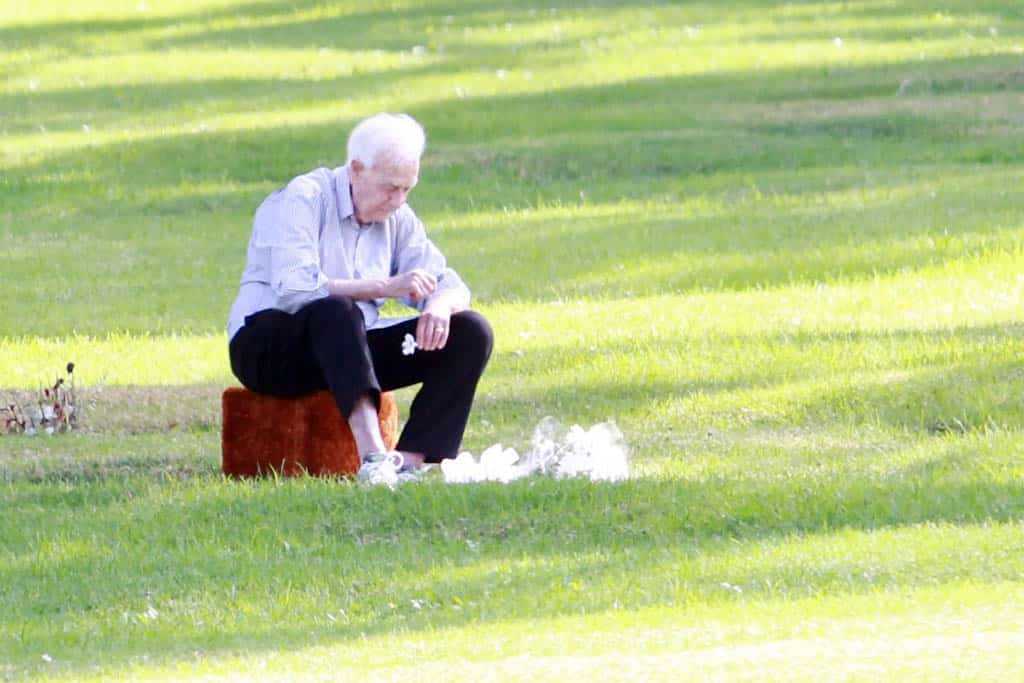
x=439, y=304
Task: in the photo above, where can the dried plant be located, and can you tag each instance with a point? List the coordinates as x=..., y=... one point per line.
x=54, y=411
x=14, y=420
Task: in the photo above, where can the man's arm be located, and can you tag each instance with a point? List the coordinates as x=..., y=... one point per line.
x=288, y=229
x=415, y=285
x=414, y=251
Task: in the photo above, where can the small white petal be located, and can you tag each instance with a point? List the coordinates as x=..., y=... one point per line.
x=409, y=345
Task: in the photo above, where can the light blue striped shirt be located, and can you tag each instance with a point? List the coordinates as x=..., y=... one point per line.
x=306, y=234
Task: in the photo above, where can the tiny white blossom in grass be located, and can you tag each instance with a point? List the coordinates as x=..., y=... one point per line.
x=409, y=345
x=47, y=658
x=837, y=41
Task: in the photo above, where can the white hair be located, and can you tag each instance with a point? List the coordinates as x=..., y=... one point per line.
x=396, y=139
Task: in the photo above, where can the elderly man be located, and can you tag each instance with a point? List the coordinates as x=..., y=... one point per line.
x=326, y=251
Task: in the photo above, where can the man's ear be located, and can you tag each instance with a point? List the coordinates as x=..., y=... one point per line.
x=356, y=167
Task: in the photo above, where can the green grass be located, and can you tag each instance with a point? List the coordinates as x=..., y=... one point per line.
x=778, y=243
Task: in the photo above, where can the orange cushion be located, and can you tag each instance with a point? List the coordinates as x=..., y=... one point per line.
x=262, y=434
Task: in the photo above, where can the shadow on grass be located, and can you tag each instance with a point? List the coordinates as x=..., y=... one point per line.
x=958, y=381
x=494, y=152
x=356, y=562
x=431, y=557
x=713, y=135
x=917, y=381
x=378, y=25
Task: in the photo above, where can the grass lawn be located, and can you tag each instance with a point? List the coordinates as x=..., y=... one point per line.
x=779, y=243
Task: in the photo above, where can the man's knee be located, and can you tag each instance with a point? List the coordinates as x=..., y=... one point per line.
x=471, y=331
x=337, y=313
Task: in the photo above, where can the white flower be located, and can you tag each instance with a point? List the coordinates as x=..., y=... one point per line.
x=462, y=469
x=598, y=453
x=409, y=345
x=496, y=464
x=500, y=464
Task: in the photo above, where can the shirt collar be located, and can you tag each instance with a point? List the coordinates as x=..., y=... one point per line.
x=343, y=193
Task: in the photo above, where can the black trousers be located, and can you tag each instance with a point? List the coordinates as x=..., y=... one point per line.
x=325, y=345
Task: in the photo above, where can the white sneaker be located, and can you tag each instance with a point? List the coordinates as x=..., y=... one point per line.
x=410, y=474
x=381, y=468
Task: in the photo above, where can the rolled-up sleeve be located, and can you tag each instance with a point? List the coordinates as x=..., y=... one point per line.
x=413, y=249
x=289, y=232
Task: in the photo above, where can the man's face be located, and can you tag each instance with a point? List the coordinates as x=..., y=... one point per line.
x=379, y=190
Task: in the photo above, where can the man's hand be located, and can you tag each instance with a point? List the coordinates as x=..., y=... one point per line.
x=416, y=284
x=432, y=328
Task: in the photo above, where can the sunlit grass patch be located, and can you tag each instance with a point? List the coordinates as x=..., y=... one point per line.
x=660, y=644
